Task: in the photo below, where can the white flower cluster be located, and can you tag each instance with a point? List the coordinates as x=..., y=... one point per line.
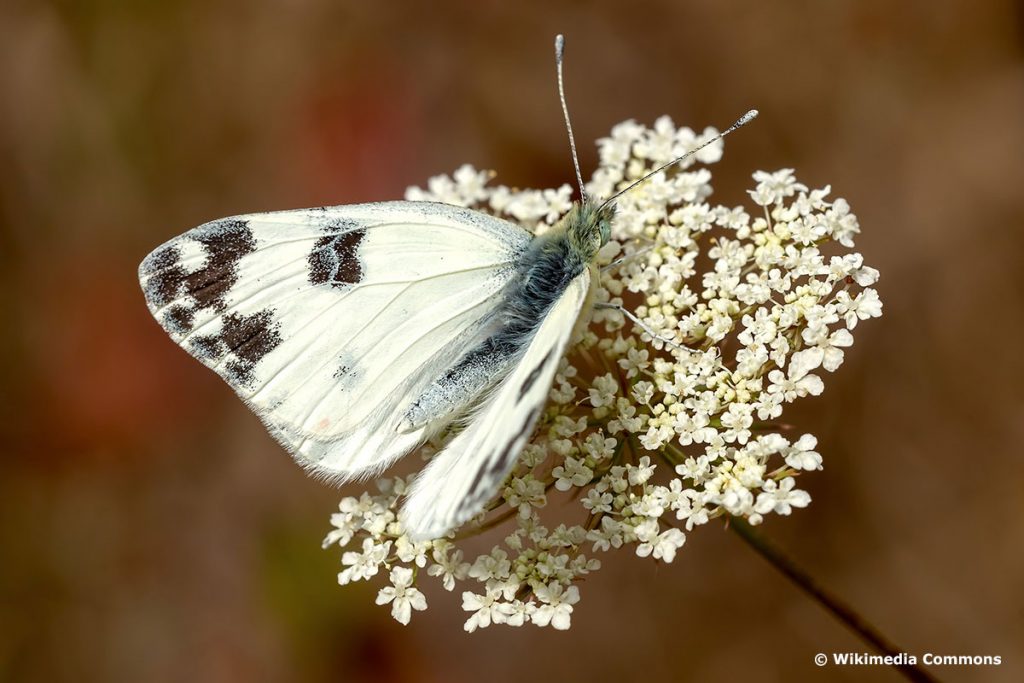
x=652, y=432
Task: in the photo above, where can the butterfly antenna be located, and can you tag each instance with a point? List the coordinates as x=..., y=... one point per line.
x=559, y=54
x=743, y=120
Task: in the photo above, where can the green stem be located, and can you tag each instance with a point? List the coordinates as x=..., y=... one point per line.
x=831, y=602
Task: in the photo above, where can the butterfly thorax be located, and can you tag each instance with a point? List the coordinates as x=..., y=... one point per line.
x=549, y=263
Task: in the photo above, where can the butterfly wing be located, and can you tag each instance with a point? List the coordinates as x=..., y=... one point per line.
x=466, y=474
x=329, y=322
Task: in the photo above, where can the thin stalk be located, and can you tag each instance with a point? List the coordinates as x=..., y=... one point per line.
x=839, y=608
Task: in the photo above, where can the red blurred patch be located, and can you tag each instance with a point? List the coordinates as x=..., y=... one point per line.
x=109, y=379
x=353, y=136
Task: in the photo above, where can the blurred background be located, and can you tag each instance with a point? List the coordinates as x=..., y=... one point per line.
x=152, y=531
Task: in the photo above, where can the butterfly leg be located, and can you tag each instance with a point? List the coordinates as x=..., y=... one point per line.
x=639, y=323
x=622, y=259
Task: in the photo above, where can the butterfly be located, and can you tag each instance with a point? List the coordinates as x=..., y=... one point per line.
x=357, y=332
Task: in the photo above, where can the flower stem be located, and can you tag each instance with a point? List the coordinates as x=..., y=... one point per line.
x=838, y=607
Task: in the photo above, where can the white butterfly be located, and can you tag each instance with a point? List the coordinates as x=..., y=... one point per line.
x=356, y=332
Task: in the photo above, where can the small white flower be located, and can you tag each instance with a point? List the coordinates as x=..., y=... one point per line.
x=609, y=535
x=365, y=564
x=495, y=565
x=627, y=419
x=668, y=542
x=842, y=223
x=657, y=435
x=449, y=566
x=486, y=609
x=652, y=503
x=781, y=498
x=525, y=493
x=402, y=595
x=677, y=498
x=598, y=447
x=556, y=605
x=596, y=501
x=409, y=552
x=641, y=472
x=801, y=455
x=516, y=612
x=696, y=516
x=774, y=187
x=861, y=307
x=635, y=362
x=573, y=473
x=737, y=420
x=603, y=390
x=470, y=183
x=694, y=468
x=796, y=385
x=346, y=523
x=643, y=392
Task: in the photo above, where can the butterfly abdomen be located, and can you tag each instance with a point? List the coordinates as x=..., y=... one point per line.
x=549, y=265
x=449, y=394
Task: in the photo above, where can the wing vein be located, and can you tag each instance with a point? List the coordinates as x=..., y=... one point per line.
x=461, y=313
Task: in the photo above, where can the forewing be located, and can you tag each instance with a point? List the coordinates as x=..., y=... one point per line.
x=465, y=475
x=328, y=322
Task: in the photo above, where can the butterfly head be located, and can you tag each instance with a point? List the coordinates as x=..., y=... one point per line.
x=588, y=226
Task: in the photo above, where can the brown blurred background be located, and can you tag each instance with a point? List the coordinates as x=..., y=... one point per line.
x=152, y=531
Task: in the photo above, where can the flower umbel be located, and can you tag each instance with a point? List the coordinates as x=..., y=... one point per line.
x=641, y=440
